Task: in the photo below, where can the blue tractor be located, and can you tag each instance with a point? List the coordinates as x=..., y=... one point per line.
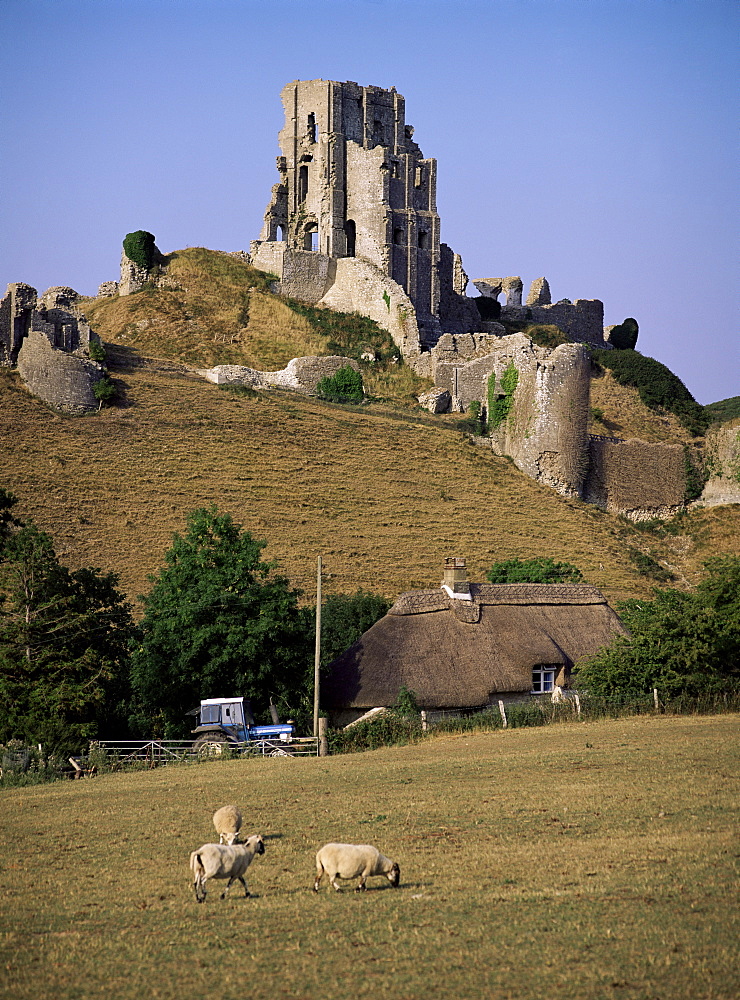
x=224, y=722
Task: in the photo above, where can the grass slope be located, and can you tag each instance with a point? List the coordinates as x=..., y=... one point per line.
x=382, y=494
x=581, y=861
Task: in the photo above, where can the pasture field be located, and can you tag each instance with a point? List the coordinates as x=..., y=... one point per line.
x=590, y=860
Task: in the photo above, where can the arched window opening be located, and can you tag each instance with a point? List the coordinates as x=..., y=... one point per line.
x=350, y=231
x=378, y=131
x=280, y=234
x=398, y=235
x=311, y=129
x=302, y=182
x=395, y=169
x=423, y=239
x=311, y=239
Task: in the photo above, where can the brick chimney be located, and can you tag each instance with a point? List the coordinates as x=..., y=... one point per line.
x=456, y=576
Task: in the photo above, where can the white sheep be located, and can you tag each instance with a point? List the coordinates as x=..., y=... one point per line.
x=223, y=861
x=228, y=823
x=353, y=860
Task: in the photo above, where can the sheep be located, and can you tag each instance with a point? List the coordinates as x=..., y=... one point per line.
x=223, y=861
x=350, y=860
x=228, y=823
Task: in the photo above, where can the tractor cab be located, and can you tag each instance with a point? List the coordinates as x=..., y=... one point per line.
x=230, y=720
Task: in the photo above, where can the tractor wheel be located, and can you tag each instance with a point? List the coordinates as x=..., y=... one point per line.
x=211, y=744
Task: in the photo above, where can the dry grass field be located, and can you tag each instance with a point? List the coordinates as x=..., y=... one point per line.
x=580, y=861
x=383, y=492
x=383, y=495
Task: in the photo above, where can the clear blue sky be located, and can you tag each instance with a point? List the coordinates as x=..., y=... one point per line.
x=590, y=141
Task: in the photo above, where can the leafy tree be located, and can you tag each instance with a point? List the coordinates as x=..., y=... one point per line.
x=681, y=643
x=104, y=390
x=344, y=618
x=218, y=621
x=63, y=646
x=541, y=569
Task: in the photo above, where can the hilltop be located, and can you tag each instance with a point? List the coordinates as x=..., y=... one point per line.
x=384, y=491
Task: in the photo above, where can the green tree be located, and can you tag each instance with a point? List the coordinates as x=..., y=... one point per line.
x=344, y=617
x=218, y=621
x=681, y=643
x=63, y=646
x=541, y=569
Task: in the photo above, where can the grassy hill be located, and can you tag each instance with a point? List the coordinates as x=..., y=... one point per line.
x=579, y=861
x=383, y=492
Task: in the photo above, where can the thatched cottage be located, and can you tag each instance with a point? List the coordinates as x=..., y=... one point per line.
x=468, y=645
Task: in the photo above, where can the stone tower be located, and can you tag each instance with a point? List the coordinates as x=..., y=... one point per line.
x=353, y=183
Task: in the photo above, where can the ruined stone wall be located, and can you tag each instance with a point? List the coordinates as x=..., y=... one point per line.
x=268, y=256
x=306, y=275
x=133, y=276
x=457, y=312
x=545, y=431
x=64, y=381
x=361, y=287
x=16, y=309
x=300, y=374
x=636, y=479
x=722, y=458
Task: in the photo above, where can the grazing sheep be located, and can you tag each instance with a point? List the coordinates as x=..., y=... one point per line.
x=223, y=861
x=351, y=861
x=228, y=823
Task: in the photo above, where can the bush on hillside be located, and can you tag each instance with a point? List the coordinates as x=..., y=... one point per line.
x=658, y=387
x=724, y=409
x=546, y=335
x=541, y=569
x=344, y=387
x=349, y=334
x=624, y=336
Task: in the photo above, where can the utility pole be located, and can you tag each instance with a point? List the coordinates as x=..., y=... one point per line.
x=317, y=653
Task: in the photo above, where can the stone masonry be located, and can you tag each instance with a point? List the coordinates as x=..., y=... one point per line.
x=48, y=339
x=300, y=375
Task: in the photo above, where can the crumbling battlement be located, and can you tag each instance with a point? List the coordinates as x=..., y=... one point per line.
x=582, y=321
x=48, y=339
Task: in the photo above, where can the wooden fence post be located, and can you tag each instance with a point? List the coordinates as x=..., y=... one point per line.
x=578, y=704
x=423, y=720
x=503, y=713
x=655, y=699
x=323, y=741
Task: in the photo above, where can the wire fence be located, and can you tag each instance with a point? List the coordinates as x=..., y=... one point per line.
x=395, y=729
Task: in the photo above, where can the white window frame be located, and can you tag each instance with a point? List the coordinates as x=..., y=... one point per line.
x=544, y=676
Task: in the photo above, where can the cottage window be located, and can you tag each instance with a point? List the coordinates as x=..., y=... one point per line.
x=543, y=679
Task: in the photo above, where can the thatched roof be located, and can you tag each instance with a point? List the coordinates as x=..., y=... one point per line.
x=456, y=653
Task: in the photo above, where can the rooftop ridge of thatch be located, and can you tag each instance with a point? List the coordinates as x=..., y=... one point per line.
x=417, y=602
